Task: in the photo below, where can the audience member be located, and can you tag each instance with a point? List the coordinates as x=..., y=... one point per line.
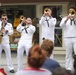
x=2, y=72
x=50, y=64
x=61, y=71
x=36, y=58
x=25, y=42
x=6, y=30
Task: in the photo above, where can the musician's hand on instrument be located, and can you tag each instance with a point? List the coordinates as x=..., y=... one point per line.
x=45, y=13
x=72, y=17
x=24, y=20
x=68, y=17
x=3, y=30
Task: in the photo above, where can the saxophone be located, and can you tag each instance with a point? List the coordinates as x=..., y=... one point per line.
x=1, y=33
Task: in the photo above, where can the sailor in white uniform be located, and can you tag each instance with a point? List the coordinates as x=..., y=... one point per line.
x=27, y=30
x=6, y=30
x=48, y=25
x=68, y=24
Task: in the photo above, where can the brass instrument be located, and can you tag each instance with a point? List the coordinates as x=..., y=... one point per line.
x=1, y=34
x=45, y=10
x=21, y=17
x=72, y=12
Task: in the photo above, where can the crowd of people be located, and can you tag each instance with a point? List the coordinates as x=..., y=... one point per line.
x=40, y=59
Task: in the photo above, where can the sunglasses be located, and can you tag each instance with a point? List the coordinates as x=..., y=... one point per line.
x=4, y=18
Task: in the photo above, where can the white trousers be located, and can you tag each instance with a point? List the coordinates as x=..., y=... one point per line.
x=6, y=48
x=21, y=48
x=70, y=45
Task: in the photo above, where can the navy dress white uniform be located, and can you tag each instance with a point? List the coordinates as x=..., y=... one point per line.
x=25, y=41
x=48, y=26
x=69, y=28
x=5, y=44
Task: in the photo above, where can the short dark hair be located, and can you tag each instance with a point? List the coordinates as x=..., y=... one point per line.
x=3, y=15
x=36, y=56
x=48, y=46
x=72, y=8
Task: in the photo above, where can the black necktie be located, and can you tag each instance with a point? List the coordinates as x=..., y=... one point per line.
x=25, y=28
x=71, y=20
x=47, y=22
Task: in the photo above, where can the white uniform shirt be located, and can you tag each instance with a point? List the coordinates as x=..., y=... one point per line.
x=48, y=31
x=69, y=30
x=9, y=28
x=33, y=72
x=26, y=34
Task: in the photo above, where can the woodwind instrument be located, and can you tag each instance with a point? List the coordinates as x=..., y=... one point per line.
x=1, y=33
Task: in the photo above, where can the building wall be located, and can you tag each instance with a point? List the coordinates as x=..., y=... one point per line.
x=65, y=6
x=31, y=1
x=39, y=11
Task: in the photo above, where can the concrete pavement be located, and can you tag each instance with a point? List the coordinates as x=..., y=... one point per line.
x=59, y=58
x=14, y=60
